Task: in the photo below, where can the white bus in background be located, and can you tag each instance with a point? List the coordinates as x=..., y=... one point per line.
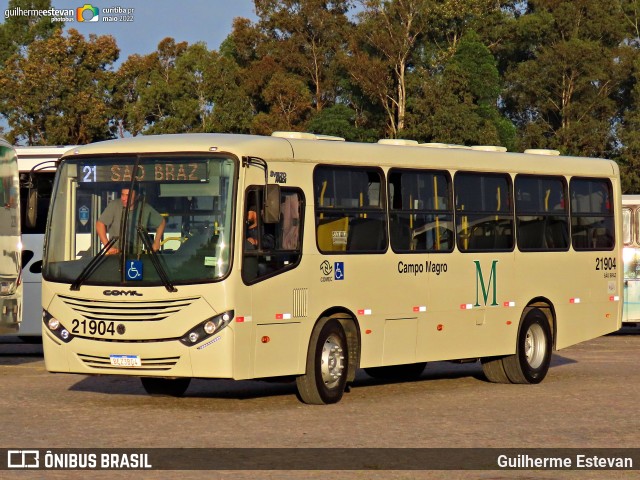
x=10, y=286
x=631, y=257
x=37, y=166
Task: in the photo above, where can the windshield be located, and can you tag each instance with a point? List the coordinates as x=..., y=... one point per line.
x=168, y=224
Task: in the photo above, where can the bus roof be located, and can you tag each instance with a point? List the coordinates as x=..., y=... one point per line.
x=312, y=148
x=29, y=157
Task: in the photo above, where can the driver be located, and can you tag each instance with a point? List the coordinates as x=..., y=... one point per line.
x=109, y=221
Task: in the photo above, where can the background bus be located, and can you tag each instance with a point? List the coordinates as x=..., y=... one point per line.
x=37, y=172
x=631, y=258
x=374, y=256
x=10, y=246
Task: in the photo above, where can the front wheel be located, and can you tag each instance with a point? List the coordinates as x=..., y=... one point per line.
x=531, y=361
x=327, y=365
x=165, y=387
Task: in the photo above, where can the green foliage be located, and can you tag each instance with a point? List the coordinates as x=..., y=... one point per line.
x=19, y=31
x=58, y=93
x=341, y=121
x=559, y=74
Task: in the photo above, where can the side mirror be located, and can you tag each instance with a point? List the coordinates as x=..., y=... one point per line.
x=32, y=208
x=271, y=203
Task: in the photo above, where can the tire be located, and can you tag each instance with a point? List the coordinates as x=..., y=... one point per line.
x=165, y=387
x=409, y=371
x=493, y=370
x=327, y=365
x=531, y=361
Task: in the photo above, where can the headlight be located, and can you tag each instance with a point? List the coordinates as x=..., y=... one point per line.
x=206, y=329
x=55, y=327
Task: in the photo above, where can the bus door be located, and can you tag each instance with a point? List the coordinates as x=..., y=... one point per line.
x=269, y=252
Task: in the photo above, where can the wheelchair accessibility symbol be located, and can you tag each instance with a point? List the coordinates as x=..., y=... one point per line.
x=339, y=270
x=134, y=270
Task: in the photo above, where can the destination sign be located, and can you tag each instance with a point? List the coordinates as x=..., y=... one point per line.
x=188, y=171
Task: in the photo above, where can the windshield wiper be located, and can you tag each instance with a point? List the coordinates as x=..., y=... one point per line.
x=93, y=264
x=155, y=260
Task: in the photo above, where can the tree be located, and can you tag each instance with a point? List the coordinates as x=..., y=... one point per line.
x=380, y=53
x=59, y=92
x=306, y=36
x=18, y=31
x=460, y=104
x=562, y=95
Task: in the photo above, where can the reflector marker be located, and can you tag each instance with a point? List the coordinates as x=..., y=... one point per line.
x=243, y=319
x=574, y=300
x=365, y=311
x=283, y=316
x=466, y=306
x=509, y=304
x=614, y=298
x=421, y=308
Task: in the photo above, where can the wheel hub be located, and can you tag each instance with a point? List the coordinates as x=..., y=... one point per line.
x=535, y=346
x=332, y=365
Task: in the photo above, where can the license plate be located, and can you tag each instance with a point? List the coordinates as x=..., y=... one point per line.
x=125, y=360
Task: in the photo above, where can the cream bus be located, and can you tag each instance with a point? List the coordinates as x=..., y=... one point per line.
x=306, y=257
x=10, y=244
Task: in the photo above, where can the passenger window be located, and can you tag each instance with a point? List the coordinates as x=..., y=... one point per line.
x=592, y=216
x=484, y=212
x=271, y=248
x=542, y=215
x=421, y=215
x=350, y=210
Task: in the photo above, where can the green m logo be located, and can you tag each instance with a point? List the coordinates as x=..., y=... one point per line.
x=481, y=285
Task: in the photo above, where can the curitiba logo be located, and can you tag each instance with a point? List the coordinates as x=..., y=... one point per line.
x=486, y=288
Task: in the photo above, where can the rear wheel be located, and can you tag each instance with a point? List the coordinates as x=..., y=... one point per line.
x=531, y=361
x=165, y=387
x=327, y=365
x=493, y=369
x=409, y=371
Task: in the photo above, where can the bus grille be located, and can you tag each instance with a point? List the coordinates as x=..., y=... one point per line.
x=126, y=311
x=148, y=364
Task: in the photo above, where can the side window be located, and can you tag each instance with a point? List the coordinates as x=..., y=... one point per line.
x=350, y=210
x=43, y=183
x=484, y=212
x=421, y=213
x=271, y=248
x=592, y=225
x=542, y=216
x=627, y=215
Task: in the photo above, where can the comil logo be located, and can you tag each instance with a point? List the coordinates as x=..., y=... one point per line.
x=87, y=13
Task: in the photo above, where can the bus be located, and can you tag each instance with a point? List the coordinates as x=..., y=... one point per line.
x=11, y=264
x=380, y=256
x=631, y=258
x=37, y=167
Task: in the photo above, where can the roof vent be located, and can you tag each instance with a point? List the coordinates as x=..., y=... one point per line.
x=489, y=148
x=542, y=151
x=298, y=135
x=435, y=145
x=307, y=136
x=329, y=138
x=397, y=141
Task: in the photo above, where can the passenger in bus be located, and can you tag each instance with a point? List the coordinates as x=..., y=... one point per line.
x=110, y=220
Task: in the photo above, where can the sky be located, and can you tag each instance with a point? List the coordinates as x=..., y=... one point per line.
x=208, y=21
